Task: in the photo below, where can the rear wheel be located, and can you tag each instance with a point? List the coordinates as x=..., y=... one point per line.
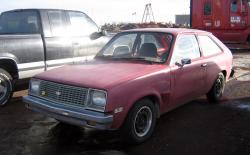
x=6, y=87
x=217, y=90
x=140, y=122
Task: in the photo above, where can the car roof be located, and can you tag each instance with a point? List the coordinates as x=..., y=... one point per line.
x=168, y=30
x=38, y=9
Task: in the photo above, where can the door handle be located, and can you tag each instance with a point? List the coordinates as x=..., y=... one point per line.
x=204, y=65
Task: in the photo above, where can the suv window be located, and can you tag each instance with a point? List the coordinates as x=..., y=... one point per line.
x=81, y=24
x=186, y=47
x=57, y=23
x=208, y=46
x=19, y=22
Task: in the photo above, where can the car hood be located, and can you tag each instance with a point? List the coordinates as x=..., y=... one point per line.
x=99, y=74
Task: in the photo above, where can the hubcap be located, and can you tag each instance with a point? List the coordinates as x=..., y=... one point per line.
x=143, y=121
x=3, y=88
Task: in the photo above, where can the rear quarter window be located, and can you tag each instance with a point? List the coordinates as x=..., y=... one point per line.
x=208, y=46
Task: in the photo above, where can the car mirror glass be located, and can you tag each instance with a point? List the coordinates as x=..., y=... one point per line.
x=98, y=34
x=183, y=62
x=186, y=61
x=104, y=32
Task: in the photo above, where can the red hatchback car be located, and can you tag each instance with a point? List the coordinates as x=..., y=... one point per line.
x=138, y=76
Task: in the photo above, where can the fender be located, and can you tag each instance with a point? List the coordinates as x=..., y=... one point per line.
x=119, y=120
x=11, y=58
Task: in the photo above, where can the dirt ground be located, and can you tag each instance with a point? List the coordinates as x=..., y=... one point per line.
x=197, y=128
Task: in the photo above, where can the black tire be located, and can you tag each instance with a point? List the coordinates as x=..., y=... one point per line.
x=139, y=116
x=217, y=90
x=6, y=87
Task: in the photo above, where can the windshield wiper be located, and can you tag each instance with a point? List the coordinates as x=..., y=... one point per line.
x=148, y=60
x=135, y=58
x=103, y=56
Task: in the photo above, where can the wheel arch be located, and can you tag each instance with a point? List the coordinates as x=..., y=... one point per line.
x=153, y=98
x=224, y=72
x=10, y=66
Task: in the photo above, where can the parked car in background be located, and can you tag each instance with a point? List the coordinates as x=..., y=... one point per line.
x=36, y=40
x=138, y=76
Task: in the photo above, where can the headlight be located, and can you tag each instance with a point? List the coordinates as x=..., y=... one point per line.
x=34, y=86
x=97, y=100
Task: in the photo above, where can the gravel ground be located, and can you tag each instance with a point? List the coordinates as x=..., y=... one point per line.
x=195, y=128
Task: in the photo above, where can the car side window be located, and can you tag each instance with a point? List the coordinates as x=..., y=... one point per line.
x=208, y=46
x=186, y=46
x=81, y=24
x=57, y=23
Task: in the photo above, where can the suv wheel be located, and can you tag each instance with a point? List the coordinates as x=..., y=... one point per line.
x=140, y=122
x=217, y=90
x=5, y=87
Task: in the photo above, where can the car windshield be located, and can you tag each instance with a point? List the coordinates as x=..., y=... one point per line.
x=143, y=46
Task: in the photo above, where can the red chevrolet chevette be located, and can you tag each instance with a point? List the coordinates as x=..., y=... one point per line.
x=138, y=76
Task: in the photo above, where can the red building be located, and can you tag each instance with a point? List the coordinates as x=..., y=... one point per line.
x=229, y=20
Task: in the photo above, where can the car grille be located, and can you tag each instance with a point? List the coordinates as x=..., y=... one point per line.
x=65, y=94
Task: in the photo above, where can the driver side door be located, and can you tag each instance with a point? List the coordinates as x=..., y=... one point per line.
x=188, y=79
x=81, y=29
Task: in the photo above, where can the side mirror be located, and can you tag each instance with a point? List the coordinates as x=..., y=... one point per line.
x=184, y=62
x=97, y=35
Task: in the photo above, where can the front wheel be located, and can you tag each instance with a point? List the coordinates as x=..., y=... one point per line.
x=217, y=90
x=6, y=87
x=140, y=122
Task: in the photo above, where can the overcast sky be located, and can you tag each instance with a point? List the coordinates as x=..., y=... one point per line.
x=108, y=11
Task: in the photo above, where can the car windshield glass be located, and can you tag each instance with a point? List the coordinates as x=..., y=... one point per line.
x=19, y=22
x=141, y=46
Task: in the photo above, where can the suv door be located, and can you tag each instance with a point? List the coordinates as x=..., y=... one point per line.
x=57, y=40
x=81, y=28
x=189, y=80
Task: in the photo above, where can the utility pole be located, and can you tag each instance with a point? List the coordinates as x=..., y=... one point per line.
x=148, y=14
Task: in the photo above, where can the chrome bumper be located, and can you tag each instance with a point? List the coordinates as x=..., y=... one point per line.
x=72, y=115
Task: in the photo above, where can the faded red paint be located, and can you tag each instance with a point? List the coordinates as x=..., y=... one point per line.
x=229, y=22
x=127, y=82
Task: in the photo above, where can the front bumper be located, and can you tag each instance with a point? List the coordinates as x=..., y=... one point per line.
x=72, y=115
